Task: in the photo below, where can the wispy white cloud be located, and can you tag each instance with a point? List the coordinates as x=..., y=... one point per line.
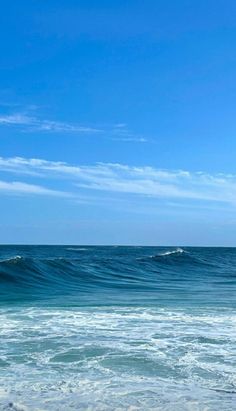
x=31, y=123
x=132, y=139
x=120, y=132
x=16, y=119
x=148, y=182
x=18, y=187
x=120, y=125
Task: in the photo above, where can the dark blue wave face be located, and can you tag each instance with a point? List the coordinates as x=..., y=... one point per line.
x=82, y=275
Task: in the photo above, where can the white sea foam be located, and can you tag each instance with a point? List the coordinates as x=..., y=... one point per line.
x=113, y=359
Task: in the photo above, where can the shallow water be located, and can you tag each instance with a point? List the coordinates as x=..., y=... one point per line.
x=117, y=328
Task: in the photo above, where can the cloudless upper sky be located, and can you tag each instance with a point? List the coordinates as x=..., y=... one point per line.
x=118, y=122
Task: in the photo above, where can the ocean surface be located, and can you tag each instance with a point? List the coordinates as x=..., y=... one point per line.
x=117, y=328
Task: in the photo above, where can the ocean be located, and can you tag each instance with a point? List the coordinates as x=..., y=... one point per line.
x=117, y=328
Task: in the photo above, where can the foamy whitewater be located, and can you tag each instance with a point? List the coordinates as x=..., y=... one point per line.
x=117, y=328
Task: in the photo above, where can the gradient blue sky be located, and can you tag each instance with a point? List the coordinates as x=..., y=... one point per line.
x=117, y=122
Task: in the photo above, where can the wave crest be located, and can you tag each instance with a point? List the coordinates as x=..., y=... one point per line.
x=171, y=252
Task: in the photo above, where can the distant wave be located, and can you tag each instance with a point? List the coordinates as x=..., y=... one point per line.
x=76, y=249
x=177, y=258
x=171, y=252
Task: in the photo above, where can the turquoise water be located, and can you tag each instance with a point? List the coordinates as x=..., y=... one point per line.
x=117, y=328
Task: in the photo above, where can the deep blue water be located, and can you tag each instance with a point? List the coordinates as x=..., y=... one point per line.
x=117, y=328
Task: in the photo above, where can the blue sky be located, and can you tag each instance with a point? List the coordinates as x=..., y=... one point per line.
x=117, y=122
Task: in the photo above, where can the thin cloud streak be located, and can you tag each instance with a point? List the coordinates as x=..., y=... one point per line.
x=147, y=182
x=131, y=139
x=31, y=123
x=120, y=132
x=18, y=187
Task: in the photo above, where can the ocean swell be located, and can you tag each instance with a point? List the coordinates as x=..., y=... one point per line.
x=116, y=273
